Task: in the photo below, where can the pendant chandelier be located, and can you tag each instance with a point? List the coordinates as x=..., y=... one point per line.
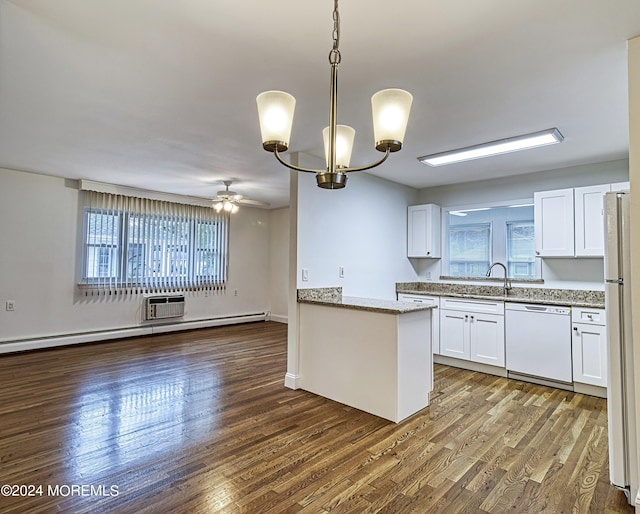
x=390, y=109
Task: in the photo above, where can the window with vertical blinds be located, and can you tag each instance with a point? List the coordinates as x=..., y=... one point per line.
x=140, y=245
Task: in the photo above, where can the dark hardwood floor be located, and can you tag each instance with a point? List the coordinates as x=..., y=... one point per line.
x=200, y=422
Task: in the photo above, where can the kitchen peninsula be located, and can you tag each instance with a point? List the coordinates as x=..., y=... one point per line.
x=374, y=355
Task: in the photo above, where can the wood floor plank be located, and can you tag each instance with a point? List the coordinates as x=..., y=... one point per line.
x=200, y=422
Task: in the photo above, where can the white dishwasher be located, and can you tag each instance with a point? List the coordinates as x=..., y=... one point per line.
x=538, y=341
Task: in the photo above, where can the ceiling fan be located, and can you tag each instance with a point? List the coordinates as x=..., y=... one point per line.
x=229, y=201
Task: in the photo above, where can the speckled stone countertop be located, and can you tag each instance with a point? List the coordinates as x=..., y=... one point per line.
x=540, y=295
x=332, y=296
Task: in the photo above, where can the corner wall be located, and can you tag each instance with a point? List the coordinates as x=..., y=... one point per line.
x=361, y=228
x=634, y=177
x=279, y=263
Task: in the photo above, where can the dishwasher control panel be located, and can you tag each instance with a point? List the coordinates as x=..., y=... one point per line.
x=558, y=310
x=534, y=307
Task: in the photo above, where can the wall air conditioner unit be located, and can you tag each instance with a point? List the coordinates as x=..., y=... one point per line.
x=162, y=307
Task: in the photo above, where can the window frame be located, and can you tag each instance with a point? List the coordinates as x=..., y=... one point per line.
x=509, y=261
x=499, y=251
x=193, y=278
x=485, y=226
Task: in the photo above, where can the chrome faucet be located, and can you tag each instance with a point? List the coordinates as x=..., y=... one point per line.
x=507, y=283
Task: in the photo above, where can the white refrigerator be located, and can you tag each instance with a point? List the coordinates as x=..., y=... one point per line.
x=623, y=454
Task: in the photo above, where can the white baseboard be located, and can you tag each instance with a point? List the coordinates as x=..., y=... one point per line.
x=600, y=392
x=291, y=381
x=105, y=335
x=470, y=365
x=279, y=318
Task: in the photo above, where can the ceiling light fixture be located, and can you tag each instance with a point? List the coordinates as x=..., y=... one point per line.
x=227, y=201
x=390, y=115
x=507, y=145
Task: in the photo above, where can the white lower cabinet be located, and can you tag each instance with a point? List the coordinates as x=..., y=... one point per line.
x=589, y=346
x=472, y=330
x=435, y=315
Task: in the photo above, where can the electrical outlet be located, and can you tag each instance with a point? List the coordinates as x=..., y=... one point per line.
x=428, y=275
x=341, y=272
x=305, y=274
x=10, y=305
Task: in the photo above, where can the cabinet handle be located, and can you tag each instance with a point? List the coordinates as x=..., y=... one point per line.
x=471, y=318
x=466, y=317
x=537, y=252
x=575, y=330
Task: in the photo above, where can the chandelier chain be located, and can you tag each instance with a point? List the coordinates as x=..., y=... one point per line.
x=334, y=55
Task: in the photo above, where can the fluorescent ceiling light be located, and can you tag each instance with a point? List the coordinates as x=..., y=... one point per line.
x=521, y=205
x=510, y=144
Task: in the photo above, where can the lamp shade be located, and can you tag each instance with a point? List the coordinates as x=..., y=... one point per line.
x=275, y=111
x=344, y=145
x=390, y=109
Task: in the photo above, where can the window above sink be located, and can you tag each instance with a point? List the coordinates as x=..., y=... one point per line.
x=476, y=236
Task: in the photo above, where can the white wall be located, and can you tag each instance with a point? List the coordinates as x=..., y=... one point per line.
x=361, y=228
x=279, y=263
x=634, y=175
x=561, y=273
x=523, y=186
x=39, y=257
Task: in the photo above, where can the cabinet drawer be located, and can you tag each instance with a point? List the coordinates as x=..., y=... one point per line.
x=470, y=305
x=590, y=316
x=418, y=298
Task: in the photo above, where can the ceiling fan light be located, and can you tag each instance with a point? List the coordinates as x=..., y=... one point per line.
x=217, y=206
x=227, y=206
x=234, y=209
x=344, y=145
x=275, y=112
x=390, y=109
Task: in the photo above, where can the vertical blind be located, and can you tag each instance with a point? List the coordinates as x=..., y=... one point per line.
x=141, y=245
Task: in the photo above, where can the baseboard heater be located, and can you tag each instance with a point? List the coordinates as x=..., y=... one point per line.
x=164, y=307
x=21, y=345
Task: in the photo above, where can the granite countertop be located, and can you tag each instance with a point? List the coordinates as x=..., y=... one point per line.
x=538, y=295
x=332, y=296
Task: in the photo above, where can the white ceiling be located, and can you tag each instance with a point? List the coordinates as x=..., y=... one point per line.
x=160, y=94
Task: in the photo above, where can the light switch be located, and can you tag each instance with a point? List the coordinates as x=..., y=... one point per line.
x=305, y=274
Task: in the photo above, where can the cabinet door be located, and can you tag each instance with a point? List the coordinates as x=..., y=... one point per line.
x=423, y=231
x=590, y=354
x=435, y=315
x=589, y=220
x=454, y=334
x=487, y=338
x=553, y=215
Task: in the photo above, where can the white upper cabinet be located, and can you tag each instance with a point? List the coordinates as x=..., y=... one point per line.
x=589, y=220
x=553, y=218
x=570, y=222
x=620, y=186
x=423, y=231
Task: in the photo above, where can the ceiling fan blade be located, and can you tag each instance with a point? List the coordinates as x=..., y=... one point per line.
x=257, y=203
